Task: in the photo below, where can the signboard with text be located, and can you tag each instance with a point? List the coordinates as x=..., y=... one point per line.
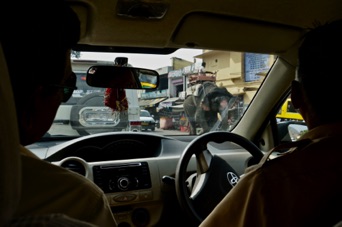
x=254, y=64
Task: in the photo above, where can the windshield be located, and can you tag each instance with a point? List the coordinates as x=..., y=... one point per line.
x=199, y=91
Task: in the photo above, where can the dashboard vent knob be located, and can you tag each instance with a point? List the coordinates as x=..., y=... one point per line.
x=75, y=166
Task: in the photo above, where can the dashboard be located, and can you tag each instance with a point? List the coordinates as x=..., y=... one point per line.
x=136, y=170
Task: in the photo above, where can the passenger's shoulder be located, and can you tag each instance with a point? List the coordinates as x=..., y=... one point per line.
x=38, y=169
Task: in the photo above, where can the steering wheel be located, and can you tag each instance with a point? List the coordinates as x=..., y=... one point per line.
x=199, y=193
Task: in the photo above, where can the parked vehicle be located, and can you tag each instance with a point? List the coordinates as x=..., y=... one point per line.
x=147, y=121
x=85, y=112
x=287, y=112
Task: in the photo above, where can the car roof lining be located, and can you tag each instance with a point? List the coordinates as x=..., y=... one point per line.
x=189, y=33
x=269, y=27
x=239, y=34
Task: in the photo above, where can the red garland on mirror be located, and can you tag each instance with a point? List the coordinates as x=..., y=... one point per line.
x=116, y=99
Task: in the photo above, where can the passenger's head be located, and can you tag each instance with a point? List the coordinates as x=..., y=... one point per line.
x=319, y=72
x=37, y=37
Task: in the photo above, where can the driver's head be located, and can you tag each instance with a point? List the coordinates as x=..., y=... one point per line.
x=37, y=46
x=319, y=74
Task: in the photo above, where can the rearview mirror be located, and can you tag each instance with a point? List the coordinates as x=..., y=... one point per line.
x=122, y=77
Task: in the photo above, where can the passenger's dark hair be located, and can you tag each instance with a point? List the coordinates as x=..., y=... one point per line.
x=35, y=38
x=319, y=70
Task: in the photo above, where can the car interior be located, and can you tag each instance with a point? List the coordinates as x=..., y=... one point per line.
x=155, y=178
x=10, y=162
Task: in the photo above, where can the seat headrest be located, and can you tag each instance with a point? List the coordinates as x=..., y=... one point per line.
x=10, y=172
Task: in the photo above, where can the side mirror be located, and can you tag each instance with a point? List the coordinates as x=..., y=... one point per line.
x=289, y=131
x=122, y=77
x=296, y=131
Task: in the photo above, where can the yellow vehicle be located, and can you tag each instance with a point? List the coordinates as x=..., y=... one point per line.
x=288, y=112
x=148, y=85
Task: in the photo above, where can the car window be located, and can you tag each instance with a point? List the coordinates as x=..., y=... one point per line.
x=82, y=90
x=199, y=91
x=290, y=123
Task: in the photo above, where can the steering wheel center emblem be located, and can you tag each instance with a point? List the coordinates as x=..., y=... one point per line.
x=233, y=179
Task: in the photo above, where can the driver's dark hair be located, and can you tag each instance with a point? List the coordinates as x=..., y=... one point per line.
x=319, y=70
x=35, y=40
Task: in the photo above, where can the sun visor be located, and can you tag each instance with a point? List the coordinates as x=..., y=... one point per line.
x=234, y=34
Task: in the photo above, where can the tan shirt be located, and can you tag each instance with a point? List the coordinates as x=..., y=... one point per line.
x=300, y=188
x=47, y=189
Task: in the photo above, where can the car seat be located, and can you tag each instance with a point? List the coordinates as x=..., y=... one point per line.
x=10, y=173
